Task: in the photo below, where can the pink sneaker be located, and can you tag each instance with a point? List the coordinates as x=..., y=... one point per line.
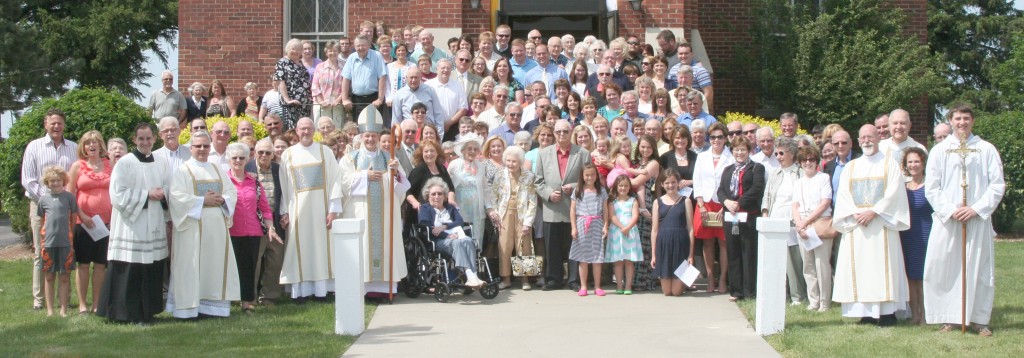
x=599, y=292
x=582, y=293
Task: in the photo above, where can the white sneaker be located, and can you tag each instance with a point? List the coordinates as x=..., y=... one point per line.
x=526, y=286
x=796, y=303
x=473, y=281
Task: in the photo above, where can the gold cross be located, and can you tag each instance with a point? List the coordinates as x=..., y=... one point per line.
x=963, y=151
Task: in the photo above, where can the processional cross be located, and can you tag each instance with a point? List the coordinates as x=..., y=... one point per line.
x=963, y=151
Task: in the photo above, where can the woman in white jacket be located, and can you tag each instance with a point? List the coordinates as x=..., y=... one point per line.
x=707, y=173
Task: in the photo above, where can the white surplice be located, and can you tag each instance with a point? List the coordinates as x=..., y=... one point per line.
x=942, y=273
x=309, y=191
x=137, y=224
x=374, y=202
x=870, y=278
x=204, y=275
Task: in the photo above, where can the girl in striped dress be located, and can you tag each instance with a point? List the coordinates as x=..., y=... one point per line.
x=589, y=216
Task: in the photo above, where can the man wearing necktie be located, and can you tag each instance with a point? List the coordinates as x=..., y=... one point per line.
x=546, y=71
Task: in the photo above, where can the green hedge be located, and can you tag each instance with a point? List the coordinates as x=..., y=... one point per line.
x=1004, y=132
x=111, y=113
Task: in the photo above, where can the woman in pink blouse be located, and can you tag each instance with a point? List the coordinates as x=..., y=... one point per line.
x=90, y=183
x=252, y=220
x=326, y=87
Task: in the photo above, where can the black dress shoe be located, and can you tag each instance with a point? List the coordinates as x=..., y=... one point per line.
x=868, y=320
x=550, y=286
x=574, y=286
x=887, y=320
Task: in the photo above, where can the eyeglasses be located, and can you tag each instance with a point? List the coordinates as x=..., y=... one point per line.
x=645, y=63
x=716, y=137
x=562, y=132
x=841, y=143
x=437, y=194
x=735, y=132
x=238, y=158
x=504, y=35
x=222, y=131
x=463, y=60
x=634, y=43
x=409, y=131
x=203, y=128
x=602, y=74
x=779, y=154
x=515, y=115
x=500, y=96
x=749, y=131
x=264, y=152
x=200, y=146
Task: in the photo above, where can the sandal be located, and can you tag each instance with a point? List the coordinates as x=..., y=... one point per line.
x=983, y=331
x=946, y=328
x=627, y=292
x=733, y=298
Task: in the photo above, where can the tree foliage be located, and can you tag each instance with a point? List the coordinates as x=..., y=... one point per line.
x=50, y=45
x=1004, y=132
x=973, y=38
x=846, y=62
x=109, y=112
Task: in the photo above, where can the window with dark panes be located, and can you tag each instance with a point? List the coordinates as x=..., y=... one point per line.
x=317, y=21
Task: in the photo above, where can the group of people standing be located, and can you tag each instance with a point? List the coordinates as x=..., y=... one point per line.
x=548, y=153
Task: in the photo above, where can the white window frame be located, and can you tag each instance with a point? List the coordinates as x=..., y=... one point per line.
x=321, y=37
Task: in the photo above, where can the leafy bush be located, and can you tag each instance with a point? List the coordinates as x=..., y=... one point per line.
x=760, y=121
x=1004, y=132
x=258, y=129
x=109, y=112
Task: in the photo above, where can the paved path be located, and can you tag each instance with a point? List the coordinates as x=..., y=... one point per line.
x=7, y=238
x=560, y=324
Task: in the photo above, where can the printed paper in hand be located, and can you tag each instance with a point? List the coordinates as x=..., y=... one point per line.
x=457, y=231
x=685, y=192
x=812, y=241
x=738, y=217
x=687, y=273
x=99, y=230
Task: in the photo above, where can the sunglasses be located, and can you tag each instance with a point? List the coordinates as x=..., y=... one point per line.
x=463, y=60
x=200, y=146
x=634, y=43
x=735, y=132
x=203, y=128
x=645, y=63
x=750, y=131
x=779, y=154
x=264, y=152
x=515, y=115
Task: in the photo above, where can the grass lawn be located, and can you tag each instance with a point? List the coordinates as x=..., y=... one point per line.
x=287, y=329
x=810, y=334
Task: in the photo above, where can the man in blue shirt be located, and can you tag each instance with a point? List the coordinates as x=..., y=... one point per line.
x=695, y=110
x=415, y=92
x=630, y=104
x=364, y=78
x=511, y=126
x=427, y=48
x=520, y=63
x=546, y=71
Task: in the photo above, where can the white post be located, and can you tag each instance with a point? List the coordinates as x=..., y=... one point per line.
x=349, y=311
x=770, y=311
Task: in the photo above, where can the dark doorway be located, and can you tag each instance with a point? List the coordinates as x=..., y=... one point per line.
x=555, y=18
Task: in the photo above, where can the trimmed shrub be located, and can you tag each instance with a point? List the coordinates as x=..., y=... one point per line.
x=109, y=112
x=1004, y=132
x=760, y=121
x=258, y=129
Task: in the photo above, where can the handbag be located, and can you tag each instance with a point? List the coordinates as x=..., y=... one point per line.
x=527, y=265
x=710, y=220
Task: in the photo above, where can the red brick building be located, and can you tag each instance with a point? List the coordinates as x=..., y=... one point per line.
x=239, y=41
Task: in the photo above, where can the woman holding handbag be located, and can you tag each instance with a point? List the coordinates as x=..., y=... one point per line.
x=511, y=206
x=707, y=222
x=741, y=192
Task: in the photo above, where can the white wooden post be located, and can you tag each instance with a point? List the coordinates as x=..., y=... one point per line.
x=770, y=314
x=347, y=256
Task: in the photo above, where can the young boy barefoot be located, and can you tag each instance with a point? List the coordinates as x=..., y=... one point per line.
x=57, y=209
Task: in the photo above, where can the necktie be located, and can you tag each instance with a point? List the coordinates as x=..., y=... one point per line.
x=544, y=78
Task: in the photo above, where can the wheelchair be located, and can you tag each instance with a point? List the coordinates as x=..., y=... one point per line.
x=430, y=268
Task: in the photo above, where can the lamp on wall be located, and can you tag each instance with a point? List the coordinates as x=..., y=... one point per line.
x=474, y=4
x=636, y=5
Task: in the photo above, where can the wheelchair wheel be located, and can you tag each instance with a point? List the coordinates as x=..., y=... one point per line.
x=442, y=292
x=489, y=291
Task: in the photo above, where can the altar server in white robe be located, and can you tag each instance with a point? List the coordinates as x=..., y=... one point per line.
x=204, y=275
x=365, y=175
x=985, y=187
x=310, y=201
x=133, y=287
x=871, y=210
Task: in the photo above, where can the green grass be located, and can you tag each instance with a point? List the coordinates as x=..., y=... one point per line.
x=810, y=334
x=287, y=329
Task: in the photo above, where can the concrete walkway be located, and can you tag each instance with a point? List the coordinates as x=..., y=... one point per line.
x=561, y=324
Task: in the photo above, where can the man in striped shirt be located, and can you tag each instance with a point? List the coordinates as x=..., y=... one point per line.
x=50, y=150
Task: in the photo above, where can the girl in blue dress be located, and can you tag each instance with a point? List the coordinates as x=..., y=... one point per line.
x=672, y=238
x=623, y=234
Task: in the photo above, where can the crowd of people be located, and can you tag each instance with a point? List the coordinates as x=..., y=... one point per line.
x=583, y=153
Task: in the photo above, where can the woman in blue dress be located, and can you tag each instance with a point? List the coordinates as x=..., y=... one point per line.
x=915, y=240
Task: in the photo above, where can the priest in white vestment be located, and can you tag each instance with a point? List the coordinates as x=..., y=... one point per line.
x=204, y=275
x=942, y=266
x=871, y=209
x=133, y=287
x=310, y=201
x=365, y=175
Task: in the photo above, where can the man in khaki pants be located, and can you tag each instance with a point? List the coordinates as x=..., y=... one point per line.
x=50, y=150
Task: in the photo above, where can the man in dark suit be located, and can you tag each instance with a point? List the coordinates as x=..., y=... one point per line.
x=843, y=145
x=619, y=78
x=561, y=166
x=405, y=150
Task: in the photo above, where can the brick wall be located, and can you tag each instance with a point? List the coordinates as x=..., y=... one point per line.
x=240, y=46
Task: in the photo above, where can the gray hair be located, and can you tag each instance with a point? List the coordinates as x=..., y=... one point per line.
x=511, y=104
x=698, y=124
x=685, y=69
x=168, y=121
x=118, y=141
x=432, y=183
x=201, y=134
x=514, y=151
x=765, y=130
x=448, y=145
x=631, y=93
x=645, y=81
x=805, y=139
x=443, y=60
x=265, y=142
x=237, y=149
x=787, y=144
x=290, y=45
x=523, y=136
x=498, y=88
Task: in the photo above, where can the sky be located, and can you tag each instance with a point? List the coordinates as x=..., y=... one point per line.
x=155, y=68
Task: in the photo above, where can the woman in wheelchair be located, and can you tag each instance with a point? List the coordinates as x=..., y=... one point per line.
x=445, y=225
